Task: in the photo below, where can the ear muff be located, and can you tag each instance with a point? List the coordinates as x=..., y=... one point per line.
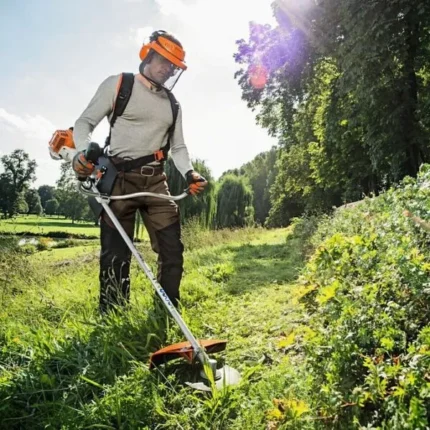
x=144, y=51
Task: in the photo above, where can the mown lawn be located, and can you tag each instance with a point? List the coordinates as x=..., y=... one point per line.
x=35, y=225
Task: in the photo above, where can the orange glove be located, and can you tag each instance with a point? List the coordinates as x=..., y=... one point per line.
x=196, y=182
x=81, y=165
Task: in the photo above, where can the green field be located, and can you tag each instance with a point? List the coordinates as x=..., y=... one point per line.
x=34, y=225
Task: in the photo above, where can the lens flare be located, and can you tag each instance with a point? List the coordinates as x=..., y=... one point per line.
x=258, y=76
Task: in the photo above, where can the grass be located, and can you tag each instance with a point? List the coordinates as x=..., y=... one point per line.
x=61, y=366
x=65, y=254
x=327, y=321
x=35, y=225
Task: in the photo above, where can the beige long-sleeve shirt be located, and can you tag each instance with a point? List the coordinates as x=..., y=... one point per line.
x=141, y=130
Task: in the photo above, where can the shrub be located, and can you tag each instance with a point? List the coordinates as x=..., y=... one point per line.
x=368, y=340
x=44, y=243
x=28, y=248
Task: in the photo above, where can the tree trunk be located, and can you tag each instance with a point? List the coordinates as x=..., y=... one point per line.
x=411, y=126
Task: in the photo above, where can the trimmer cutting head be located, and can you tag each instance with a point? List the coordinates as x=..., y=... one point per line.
x=221, y=377
x=184, y=350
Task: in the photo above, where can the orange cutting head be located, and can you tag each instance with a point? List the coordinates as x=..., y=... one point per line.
x=184, y=350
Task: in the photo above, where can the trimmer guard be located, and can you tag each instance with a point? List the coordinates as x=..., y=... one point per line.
x=184, y=350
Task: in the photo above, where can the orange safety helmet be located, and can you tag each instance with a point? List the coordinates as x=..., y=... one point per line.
x=166, y=48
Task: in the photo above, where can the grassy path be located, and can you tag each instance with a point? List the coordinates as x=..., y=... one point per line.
x=251, y=302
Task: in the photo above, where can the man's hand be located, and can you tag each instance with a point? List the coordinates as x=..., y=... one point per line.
x=196, y=182
x=82, y=166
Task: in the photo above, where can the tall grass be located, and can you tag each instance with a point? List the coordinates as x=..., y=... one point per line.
x=63, y=366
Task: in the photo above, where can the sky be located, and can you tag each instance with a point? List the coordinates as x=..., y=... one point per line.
x=56, y=53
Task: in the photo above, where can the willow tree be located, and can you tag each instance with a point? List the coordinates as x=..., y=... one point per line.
x=201, y=207
x=234, y=202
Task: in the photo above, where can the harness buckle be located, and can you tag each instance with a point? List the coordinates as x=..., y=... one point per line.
x=147, y=167
x=159, y=155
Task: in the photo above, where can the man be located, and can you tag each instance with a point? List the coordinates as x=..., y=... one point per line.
x=145, y=127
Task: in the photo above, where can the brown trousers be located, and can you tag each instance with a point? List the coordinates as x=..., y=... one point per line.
x=161, y=219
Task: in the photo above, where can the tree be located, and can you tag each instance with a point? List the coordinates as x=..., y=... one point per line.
x=72, y=204
x=19, y=172
x=234, y=203
x=260, y=173
x=46, y=192
x=52, y=207
x=345, y=88
x=38, y=210
x=203, y=206
x=20, y=205
x=33, y=201
x=4, y=194
x=381, y=49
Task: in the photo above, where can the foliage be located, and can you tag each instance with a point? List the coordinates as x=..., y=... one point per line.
x=46, y=193
x=19, y=172
x=52, y=207
x=72, y=204
x=234, y=202
x=200, y=207
x=260, y=173
x=33, y=201
x=38, y=210
x=346, y=94
x=20, y=205
x=367, y=334
x=386, y=77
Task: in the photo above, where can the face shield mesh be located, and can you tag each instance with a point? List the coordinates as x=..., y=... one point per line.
x=161, y=70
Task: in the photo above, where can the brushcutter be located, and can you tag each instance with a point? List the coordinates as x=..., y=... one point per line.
x=61, y=147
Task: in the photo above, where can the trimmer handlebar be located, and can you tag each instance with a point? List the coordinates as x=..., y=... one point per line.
x=93, y=152
x=147, y=194
x=89, y=192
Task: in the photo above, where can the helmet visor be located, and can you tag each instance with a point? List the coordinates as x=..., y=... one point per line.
x=162, y=71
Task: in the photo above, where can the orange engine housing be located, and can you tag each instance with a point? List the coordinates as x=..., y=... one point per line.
x=61, y=139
